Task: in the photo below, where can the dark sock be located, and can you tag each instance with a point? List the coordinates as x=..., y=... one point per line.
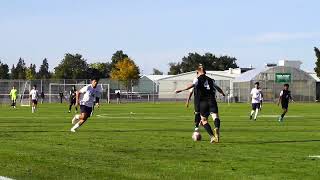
x=282, y=115
x=217, y=123
x=70, y=107
x=197, y=119
x=76, y=108
x=208, y=129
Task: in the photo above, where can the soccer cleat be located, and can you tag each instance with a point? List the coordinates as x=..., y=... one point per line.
x=212, y=139
x=280, y=119
x=72, y=130
x=255, y=119
x=196, y=129
x=69, y=111
x=216, y=135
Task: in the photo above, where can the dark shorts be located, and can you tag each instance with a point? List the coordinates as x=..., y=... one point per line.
x=208, y=107
x=85, y=109
x=73, y=101
x=34, y=102
x=285, y=105
x=255, y=106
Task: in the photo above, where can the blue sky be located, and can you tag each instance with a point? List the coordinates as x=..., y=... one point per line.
x=156, y=32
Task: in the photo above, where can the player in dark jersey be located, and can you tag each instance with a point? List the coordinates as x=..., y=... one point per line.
x=197, y=117
x=285, y=97
x=206, y=91
x=72, y=99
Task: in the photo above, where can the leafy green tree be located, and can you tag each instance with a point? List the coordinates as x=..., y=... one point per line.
x=44, y=70
x=73, y=66
x=19, y=71
x=116, y=57
x=31, y=72
x=4, y=71
x=157, y=72
x=317, y=68
x=208, y=60
x=103, y=69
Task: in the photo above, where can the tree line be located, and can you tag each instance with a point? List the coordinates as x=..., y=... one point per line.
x=121, y=67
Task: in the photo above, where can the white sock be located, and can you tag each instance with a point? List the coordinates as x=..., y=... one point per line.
x=252, y=111
x=76, y=126
x=32, y=109
x=75, y=118
x=255, y=116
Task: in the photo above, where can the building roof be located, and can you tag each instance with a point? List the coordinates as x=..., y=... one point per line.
x=156, y=77
x=314, y=76
x=249, y=75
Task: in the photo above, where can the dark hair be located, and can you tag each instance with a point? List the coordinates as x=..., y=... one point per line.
x=286, y=85
x=35, y=86
x=257, y=83
x=95, y=78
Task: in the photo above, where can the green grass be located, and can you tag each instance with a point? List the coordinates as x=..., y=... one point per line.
x=155, y=143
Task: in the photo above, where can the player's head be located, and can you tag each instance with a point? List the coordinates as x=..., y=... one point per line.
x=94, y=81
x=257, y=84
x=286, y=86
x=73, y=87
x=13, y=87
x=201, y=69
x=34, y=86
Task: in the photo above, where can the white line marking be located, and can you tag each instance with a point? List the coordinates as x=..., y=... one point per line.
x=5, y=178
x=315, y=156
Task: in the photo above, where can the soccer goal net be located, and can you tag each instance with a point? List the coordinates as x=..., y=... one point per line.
x=25, y=94
x=61, y=92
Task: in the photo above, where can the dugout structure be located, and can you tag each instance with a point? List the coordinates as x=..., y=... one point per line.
x=271, y=79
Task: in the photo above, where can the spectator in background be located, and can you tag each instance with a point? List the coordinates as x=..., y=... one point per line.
x=118, y=97
x=42, y=97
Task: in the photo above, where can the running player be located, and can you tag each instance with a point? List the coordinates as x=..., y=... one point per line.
x=285, y=96
x=72, y=99
x=86, y=97
x=13, y=95
x=34, y=94
x=256, y=98
x=206, y=90
x=197, y=117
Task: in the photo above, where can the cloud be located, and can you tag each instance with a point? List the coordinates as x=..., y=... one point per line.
x=272, y=37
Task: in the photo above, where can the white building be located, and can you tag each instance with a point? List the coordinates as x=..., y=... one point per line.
x=168, y=85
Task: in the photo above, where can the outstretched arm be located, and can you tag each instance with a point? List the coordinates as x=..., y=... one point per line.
x=189, y=98
x=218, y=89
x=185, y=89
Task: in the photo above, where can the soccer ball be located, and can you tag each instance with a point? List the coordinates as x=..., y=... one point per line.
x=196, y=136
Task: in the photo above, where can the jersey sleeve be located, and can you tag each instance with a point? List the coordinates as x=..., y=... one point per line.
x=251, y=92
x=281, y=93
x=84, y=89
x=195, y=81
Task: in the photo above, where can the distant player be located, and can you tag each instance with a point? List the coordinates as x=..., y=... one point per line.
x=34, y=94
x=72, y=99
x=13, y=94
x=86, y=97
x=197, y=117
x=256, y=98
x=206, y=89
x=42, y=97
x=285, y=96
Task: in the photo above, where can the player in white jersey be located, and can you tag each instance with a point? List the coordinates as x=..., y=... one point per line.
x=256, y=98
x=86, y=97
x=34, y=94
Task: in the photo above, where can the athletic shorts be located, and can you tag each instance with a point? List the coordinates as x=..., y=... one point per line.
x=73, y=101
x=86, y=109
x=208, y=107
x=285, y=105
x=255, y=106
x=34, y=101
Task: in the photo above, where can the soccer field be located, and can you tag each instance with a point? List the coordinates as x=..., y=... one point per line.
x=153, y=141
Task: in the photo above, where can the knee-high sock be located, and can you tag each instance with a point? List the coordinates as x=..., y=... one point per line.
x=255, y=116
x=208, y=128
x=197, y=119
x=217, y=123
x=252, y=112
x=70, y=107
x=283, y=114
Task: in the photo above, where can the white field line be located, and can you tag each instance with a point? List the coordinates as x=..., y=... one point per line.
x=5, y=178
x=314, y=156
